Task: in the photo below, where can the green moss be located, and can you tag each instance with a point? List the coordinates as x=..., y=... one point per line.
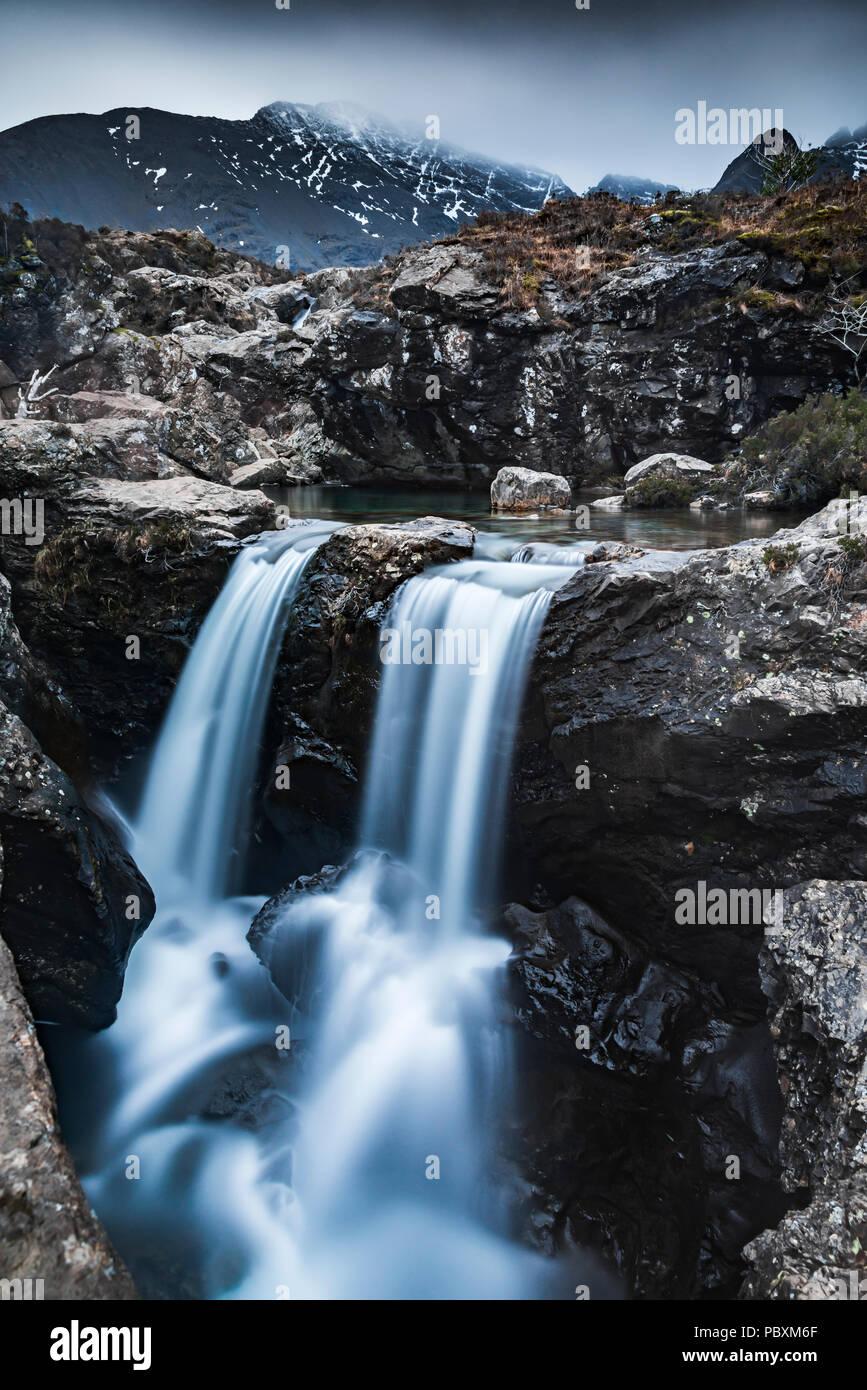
x=659, y=492
x=755, y=298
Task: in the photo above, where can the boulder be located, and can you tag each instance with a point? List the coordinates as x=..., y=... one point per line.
x=48, y=1231
x=762, y=500
x=666, y=480
x=681, y=466
x=523, y=490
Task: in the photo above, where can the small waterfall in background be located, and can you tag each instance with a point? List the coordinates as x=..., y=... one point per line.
x=544, y=553
x=369, y=1169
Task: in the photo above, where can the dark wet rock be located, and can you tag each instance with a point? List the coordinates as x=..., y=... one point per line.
x=328, y=675
x=73, y=902
x=125, y=557
x=291, y=952
x=292, y=957
x=47, y=1229
x=628, y=1130
x=814, y=973
x=437, y=379
x=717, y=705
x=522, y=490
x=250, y=1089
x=31, y=692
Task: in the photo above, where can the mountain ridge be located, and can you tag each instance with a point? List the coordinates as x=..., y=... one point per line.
x=307, y=186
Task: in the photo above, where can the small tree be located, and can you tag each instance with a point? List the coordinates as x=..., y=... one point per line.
x=790, y=168
x=28, y=398
x=845, y=323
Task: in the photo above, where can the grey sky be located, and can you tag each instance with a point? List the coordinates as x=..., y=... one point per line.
x=581, y=92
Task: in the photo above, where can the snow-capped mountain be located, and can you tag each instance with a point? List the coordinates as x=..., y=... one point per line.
x=306, y=185
x=846, y=150
x=843, y=153
x=630, y=188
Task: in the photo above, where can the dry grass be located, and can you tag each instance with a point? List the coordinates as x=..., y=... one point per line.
x=576, y=242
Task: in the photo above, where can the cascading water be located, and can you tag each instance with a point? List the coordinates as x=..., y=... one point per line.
x=190, y=830
x=373, y=1175
x=544, y=553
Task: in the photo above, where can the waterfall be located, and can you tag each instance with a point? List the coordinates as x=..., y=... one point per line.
x=374, y=1170
x=190, y=832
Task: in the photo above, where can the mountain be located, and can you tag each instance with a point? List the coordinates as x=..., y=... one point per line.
x=333, y=183
x=630, y=188
x=843, y=153
x=745, y=173
x=846, y=150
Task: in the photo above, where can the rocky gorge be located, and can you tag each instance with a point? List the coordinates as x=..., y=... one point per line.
x=691, y=716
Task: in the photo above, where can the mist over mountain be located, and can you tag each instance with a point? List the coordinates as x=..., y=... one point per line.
x=631, y=188
x=331, y=184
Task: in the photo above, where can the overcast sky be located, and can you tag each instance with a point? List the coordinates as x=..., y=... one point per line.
x=580, y=92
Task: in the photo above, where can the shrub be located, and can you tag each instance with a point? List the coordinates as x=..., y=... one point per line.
x=780, y=558
x=808, y=455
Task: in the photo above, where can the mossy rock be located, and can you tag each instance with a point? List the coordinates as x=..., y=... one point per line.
x=656, y=491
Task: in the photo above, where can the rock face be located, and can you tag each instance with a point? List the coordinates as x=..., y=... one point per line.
x=583, y=389
x=636, y=1083
x=428, y=369
x=73, y=902
x=47, y=1229
x=689, y=723
x=522, y=490
x=814, y=972
x=717, y=706
x=128, y=566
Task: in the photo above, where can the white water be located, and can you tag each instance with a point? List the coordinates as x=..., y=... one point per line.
x=378, y=1177
x=546, y=553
